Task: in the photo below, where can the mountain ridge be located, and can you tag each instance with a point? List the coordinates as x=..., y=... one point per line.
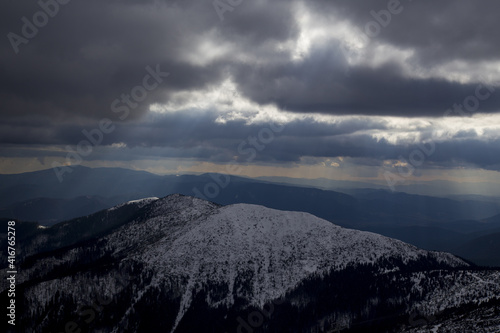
x=189, y=258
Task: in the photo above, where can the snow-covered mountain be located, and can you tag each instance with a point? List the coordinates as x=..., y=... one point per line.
x=181, y=264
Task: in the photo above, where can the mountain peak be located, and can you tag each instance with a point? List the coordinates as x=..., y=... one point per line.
x=190, y=257
x=270, y=250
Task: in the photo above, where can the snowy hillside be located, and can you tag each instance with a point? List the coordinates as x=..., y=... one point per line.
x=280, y=249
x=184, y=257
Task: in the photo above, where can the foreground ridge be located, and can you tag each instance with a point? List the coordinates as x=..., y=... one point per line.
x=178, y=258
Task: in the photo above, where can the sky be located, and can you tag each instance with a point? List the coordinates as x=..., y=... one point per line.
x=380, y=91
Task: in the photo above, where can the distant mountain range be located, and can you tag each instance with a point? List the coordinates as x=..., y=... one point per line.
x=182, y=264
x=440, y=188
x=49, y=211
x=456, y=225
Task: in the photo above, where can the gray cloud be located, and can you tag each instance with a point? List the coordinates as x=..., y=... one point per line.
x=185, y=135
x=319, y=84
x=440, y=31
x=90, y=53
x=67, y=77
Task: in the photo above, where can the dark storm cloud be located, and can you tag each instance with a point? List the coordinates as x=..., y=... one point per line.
x=437, y=32
x=66, y=78
x=91, y=52
x=320, y=84
x=181, y=129
x=440, y=31
x=475, y=151
x=184, y=135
